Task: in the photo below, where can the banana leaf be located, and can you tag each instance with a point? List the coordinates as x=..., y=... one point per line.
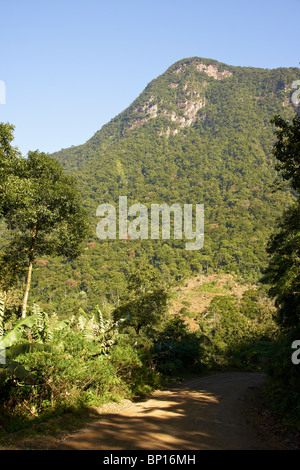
x=13, y=336
x=25, y=348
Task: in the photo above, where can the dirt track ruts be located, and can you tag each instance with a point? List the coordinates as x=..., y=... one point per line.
x=202, y=413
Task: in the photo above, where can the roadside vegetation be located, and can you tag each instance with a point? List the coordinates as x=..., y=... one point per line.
x=52, y=364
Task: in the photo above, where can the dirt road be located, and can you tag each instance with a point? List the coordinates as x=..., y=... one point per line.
x=203, y=413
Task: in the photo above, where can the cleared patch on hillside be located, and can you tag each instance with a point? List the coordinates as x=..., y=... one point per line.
x=195, y=296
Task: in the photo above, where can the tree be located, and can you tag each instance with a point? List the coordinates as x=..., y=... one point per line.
x=283, y=270
x=41, y=205
x=10, y=159
x=287, y=150
x=146, y=300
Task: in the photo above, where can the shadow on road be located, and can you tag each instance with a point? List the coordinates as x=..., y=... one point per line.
x=204, y=413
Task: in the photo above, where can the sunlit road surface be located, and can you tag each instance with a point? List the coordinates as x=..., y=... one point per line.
x=202, y=413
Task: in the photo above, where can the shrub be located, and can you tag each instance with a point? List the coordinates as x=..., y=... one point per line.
x=75, y=377
x=176, y=348
x=283, y=389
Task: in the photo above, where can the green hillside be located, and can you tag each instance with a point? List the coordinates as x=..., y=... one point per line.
x=198, y=134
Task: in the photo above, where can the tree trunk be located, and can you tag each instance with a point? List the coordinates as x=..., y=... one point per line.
x=25, y=298
x=28, y=281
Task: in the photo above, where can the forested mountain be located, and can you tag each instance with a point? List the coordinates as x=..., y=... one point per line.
x=198, y=134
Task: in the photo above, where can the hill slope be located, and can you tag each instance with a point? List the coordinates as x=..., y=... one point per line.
x=198, y=134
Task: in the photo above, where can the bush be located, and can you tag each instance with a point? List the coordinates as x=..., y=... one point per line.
x=78, y=376
x=283, y=389
x=177, y=349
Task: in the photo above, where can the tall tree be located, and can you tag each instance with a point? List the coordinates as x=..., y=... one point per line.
x=41, y=206
x=287, y=150
x=283, y=271
x=10, y=160
x=146, y=300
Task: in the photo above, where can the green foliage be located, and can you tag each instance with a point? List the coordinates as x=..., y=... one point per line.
x=146, y=301
x=10, y=161
x=127, y=363
x=223, y=159
x=53, y=366
x=240, y=330
x=41, y=207
x=282, y=277
x=103, y=331
x=156, y=151
x=1, y=316
x=250, y=306
x=283, y=270
x=284, y=379
x=27, y=335
x=81, y=366
x=16, y=334
x=287, y=150
x=177, y=349
x=225, y=321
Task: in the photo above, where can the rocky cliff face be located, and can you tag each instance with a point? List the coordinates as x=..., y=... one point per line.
x=188, y=97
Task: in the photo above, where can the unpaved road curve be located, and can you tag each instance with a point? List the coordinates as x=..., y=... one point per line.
x=202, y=413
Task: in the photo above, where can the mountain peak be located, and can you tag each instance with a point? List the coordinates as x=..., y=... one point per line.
x=177, y=96
x=197, y=93
x=210, y=67
x=199, y=133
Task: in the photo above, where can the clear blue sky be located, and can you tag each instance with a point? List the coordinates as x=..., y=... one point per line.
x=70, y=66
